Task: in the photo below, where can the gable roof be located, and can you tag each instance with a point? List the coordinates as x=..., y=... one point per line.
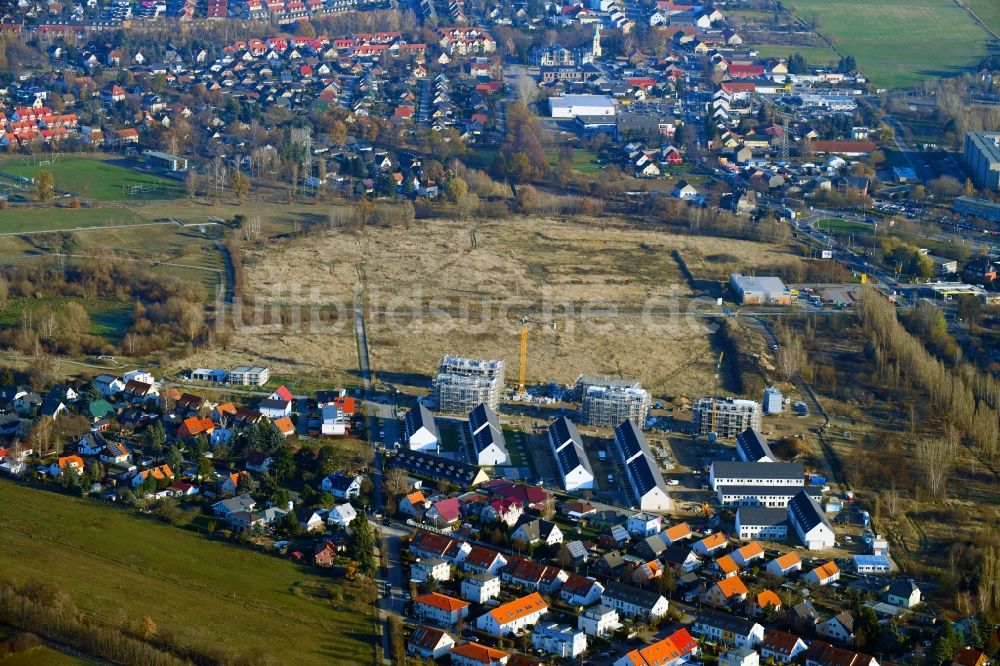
x=420, y=417
x=826, y=570
x=441, y=602
x=713, y=541
x=752, y=549
x=767, y=598
x=727, y=565
x=788, y=560
x=780, y=642
x=731, y=587
x=805, y=512
x=480, y=653
x=448, y=509
x=518, y=608
x=735, y=624
x=678, y=532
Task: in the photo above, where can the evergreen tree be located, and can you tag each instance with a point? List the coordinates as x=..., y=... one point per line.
x=361, y=547
x=945, y=645
x=155, y=438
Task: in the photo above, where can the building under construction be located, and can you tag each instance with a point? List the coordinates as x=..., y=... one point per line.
x=726, y=417
x=606, y=406
x=584, y=382
x=465, y=383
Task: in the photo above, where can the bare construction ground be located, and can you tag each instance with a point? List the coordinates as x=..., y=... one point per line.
x=450, y=287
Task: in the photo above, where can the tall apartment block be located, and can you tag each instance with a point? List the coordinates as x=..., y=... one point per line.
x=465, y=383
x=726, y=417
x=982, y=156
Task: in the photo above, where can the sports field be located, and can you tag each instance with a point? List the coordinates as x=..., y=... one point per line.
x=121, y=567
x=900, y=43
x=93, y=178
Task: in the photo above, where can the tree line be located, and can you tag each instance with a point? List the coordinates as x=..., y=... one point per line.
x=164, y=309
x=965, y=398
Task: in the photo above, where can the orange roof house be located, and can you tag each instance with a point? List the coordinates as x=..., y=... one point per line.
x=74, y=463
x=748, y=553
x=667, y=651
x=284, y=426
x=824, y=574
x=768, y=598
x=678, y=532
x=970, y=657
x=513, y=616
x=785, y=564
x=195, y=426
x=474, y=653
x=711, y=543
x=727, y=565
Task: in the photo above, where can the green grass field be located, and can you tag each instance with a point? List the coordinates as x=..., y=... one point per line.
x=897, y=43
x=583, y=161
x=92, y=178
x=988, y=12
x=844, y=226
x=118, y=567
x=814, y=55
x=23, y=220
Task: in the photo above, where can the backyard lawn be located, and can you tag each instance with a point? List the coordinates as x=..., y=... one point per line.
x=118, y=566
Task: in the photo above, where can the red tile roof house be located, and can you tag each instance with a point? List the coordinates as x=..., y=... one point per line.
x=483, y=560
x=444, y=512
x=430, y=642
x=782, y=646
x=533, y=576
x=440, y=608
x=428, y=544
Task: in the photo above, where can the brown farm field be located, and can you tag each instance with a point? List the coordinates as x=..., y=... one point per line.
x=442, y=286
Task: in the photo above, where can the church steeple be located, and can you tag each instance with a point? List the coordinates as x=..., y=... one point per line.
x=595, y=50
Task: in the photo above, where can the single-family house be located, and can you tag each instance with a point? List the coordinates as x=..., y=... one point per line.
x=726, y=592
x=341, y=486
x=342, y=515
x=444, y=512
x=430, y=642
x=824, y=574
x=903, y=593
x=580, y=590
x=711, y=544
x=537, y=530
x=784, y=565
x=474, y=654
x=839, y=628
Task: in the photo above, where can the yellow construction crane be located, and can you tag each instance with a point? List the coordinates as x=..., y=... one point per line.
x=715, y=396
x=523, y=368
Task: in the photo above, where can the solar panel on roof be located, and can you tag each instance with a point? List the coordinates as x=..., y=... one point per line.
x=628, y=438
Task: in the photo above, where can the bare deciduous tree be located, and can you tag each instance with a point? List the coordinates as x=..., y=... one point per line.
x=936, y=459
